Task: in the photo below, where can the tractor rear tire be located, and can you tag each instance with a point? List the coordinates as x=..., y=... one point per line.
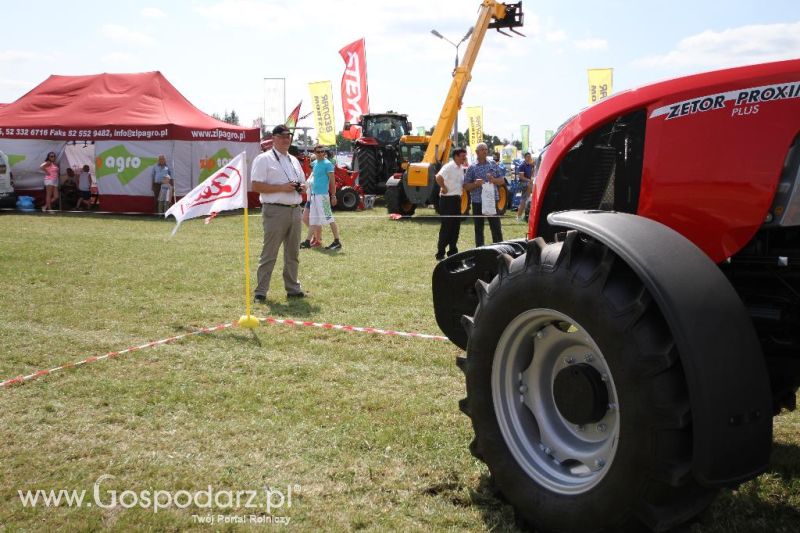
x=577, y=395
x=367, y=165
x=397, y=203
x=465, y=203
x=503, y=201
x=347, y=199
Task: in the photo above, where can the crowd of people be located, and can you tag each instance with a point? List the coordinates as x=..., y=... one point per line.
x=481, y=180
x=279, y=179
x=76, y=192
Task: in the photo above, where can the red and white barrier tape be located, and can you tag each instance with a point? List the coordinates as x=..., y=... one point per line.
x=19, y=380
x=323, y=325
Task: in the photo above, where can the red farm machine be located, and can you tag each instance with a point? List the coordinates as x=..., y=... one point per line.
x=625, y=361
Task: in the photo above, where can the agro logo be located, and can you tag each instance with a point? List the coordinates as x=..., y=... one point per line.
x=211, y=164
x=13, y=159
x=118, y=160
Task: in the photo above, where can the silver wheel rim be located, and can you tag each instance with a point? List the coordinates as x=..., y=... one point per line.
x=563, y=457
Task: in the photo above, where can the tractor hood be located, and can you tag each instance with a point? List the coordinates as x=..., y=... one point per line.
x=727, y=130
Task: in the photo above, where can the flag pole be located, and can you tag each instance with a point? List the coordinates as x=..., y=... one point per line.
x=247, y=320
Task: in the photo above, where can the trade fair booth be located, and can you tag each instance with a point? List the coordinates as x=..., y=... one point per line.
x=118, y=124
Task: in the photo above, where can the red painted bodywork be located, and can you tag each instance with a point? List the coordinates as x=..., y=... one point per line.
x=709, y=175
x=368, y=141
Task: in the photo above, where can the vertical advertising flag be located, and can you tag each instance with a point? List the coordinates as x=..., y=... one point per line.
x=600, y=83
x=421, y=130
x=525, y=134
x=294, y=116
x=355, y=96
x=475, y=120
x=548, y=134
x=322, y=104
x=274, y=101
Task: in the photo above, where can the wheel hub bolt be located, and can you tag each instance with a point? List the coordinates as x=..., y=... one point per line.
x=600, y=463
x=580, y=427
x=612, y=407
x=570, y=360
x=604, y=377
x=588, y=358
x=540, y=334
x=601, y=428
x=523, y=389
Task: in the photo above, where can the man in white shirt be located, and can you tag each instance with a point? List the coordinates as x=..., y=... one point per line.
x=451, y=181
x=280, y=180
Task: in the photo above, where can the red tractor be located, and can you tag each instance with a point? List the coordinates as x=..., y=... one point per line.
x=376, y=154
x=625, y=361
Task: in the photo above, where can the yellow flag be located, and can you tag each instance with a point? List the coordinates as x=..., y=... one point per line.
x=601, y=82
x=322, y=104
x=475, y=119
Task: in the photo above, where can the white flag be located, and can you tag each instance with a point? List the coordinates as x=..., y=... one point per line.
x=225, y=189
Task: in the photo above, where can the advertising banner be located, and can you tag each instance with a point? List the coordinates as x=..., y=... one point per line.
x=322, y=104
x=25, y=156
x=207, y=158
x=475, y=120
x=355, y=95
x=600, y=83
x=125, y=167
x=548, y=134
x=525, y=137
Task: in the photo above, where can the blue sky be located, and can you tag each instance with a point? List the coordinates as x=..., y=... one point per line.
x=217, y=52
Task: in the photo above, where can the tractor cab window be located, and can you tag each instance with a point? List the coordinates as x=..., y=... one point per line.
x=385, y=129
x=413, y=153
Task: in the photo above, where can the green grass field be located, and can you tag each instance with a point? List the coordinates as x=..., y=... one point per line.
x=364, y=430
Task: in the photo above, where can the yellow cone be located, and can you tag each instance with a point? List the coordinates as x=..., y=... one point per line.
x=248, y=321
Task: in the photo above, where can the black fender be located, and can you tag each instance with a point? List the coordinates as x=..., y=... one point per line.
x=453, y=284
x=726, y=374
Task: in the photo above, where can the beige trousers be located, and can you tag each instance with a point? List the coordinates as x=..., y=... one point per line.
x=282, y=225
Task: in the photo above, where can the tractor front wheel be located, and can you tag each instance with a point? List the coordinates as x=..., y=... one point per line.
x=347, y=199
x=397, y=203
x=577, y=395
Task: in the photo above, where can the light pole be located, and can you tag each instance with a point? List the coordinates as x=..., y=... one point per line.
x=464, y=38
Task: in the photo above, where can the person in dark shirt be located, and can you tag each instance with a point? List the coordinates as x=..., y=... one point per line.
x=525, y=175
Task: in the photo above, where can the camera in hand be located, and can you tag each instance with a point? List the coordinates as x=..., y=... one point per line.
x=296, y=185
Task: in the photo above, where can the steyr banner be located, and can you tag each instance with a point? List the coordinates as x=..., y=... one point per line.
x=525, y=137
x=600, y=83
x=322, y=104
x=355, y=95
x=475, y=120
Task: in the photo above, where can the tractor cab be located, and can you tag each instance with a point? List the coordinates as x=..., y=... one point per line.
x=385, y=128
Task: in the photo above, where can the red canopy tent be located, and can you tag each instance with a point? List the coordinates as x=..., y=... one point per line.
x=143, y=112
